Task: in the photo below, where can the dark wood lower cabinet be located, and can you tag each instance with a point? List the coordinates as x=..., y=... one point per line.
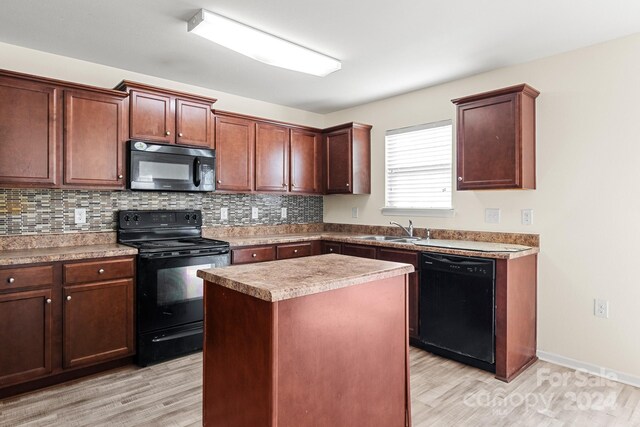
x=25, y=335
x=53, y=331
x=361, y=251
x=98, y=322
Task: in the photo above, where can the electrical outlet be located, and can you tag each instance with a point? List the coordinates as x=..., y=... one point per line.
x=254, y=213
x=354, y=212
x=80, y=215
x=601, y=308
x=492, y=215
x=224, y=214
x=527, y=216
x=283, y=213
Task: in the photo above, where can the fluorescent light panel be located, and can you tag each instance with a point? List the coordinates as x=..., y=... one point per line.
x=259, y=45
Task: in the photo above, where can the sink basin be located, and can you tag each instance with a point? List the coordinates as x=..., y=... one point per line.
x=397, y=239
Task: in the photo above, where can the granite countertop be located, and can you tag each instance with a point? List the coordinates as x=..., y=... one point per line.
x=291, y=278
x=353, y=238
x=63, y=253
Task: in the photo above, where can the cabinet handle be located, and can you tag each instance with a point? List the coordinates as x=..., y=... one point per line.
x=167, y=133
x=459, y=178
x=330, y=249
x=120, y=177
x=68, y=297
x=293, y=185
x=11, y=280
x=295, y=251
x=101, y=271
x=254, y=255
x=48, y=300
x=347, y=184
x=180, y=134
x=284, y=185
x=219, y=182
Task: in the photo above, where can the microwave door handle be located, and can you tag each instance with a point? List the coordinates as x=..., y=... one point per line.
x=196, y=172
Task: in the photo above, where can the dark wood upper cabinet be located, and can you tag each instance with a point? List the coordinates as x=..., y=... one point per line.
x=152, y=117
x=496, y=139
x=348, y=159
x=272, y=157
x=306, y=165
x=25, y=333
x=193, y=123
x=94, y=138
x=29, y=133
x=235, y=144
x=166, y=116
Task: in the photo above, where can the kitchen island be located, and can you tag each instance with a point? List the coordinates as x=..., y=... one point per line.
x=319, y=341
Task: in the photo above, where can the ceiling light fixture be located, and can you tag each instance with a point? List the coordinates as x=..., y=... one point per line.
x=259, y=45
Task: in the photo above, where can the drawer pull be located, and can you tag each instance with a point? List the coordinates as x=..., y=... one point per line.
x=48, y=300
x=180, y=134
x=68, y=297
x=295, y=251
x=101, y=271
x=167, y=133
x=330, y=249
x=254, y=255
x=11, y=280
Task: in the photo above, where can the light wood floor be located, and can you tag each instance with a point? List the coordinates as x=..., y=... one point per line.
x=444, y=393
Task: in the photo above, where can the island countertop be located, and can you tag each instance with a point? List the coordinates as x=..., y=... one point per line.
x=291, y=278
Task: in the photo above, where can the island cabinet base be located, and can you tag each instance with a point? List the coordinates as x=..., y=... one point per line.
x=335, y=358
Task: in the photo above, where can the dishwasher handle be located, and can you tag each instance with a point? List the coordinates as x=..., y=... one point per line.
x=470, y=266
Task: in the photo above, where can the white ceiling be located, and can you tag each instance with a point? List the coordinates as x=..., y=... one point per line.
x=387, y=47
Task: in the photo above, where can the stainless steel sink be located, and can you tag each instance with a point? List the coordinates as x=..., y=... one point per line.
x=396, y=239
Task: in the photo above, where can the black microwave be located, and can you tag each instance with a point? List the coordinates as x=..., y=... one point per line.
x=163, y=167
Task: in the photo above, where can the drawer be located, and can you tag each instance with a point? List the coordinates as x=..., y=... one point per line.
x=395, y=255
x=26, y=277
x=331, y=248
x=294, y=250
x=361, y=251
x=94, y=271
x=256, y=254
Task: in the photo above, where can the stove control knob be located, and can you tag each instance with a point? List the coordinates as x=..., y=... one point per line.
x=187, y=217
x=136, y=218
x=194, y=217
x=127, y=218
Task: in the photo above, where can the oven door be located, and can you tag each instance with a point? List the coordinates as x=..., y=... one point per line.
x=149, y=170
x=168, y=291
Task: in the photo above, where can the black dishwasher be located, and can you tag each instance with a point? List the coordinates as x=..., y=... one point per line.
x=457, y=308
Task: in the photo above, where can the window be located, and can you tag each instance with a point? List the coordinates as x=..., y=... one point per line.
x=418, y=168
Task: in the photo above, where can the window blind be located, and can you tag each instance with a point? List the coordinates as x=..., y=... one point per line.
x=418, y=166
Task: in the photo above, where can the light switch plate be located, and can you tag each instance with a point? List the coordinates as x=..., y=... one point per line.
x=254, y=213
x=492, y=215
x=80, y=216
x=527, y=216
x=354, y=212
x=283, y=213
x=224, y=214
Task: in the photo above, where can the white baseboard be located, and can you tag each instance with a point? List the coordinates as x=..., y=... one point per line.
x=600, y=371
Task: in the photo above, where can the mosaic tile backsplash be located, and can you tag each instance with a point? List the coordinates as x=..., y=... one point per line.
x=26, y=211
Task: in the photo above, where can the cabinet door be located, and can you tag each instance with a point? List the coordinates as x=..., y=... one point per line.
x=193, y=123
x=407, y=257
x=93, y=139
x=305, y=162
x=25, y=334
x=152, y=117
x=235, y=142
x=98, y=322
x=272, y=157
x=29, y=132
x=338, y=158
x=488, y=154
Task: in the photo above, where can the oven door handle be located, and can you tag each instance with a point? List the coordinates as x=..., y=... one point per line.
x=196, y=171
x=155, y=256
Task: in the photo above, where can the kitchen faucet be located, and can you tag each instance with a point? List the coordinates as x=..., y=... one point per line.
x=409, y=230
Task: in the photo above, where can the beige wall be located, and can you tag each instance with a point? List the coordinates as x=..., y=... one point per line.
x=31, y=61
x=587, y=202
